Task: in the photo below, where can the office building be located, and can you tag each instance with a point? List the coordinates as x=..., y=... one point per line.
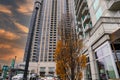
x=99, y=27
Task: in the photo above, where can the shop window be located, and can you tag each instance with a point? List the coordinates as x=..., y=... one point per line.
x=105, y=64
x=88, y=72
x=105, y=69
x=102, y=52
x=116, y=53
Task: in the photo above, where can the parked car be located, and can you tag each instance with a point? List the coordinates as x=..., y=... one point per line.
x=33, y=76
x=57, y=78
x=18, y=77
x=49, y=77
x=42, y=78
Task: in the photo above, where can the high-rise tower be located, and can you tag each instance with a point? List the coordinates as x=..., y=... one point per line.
x=46, y=16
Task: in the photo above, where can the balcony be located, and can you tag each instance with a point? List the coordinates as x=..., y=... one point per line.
x=79, y=24
x=114, y=5
x=83, y=4
x=78, y=4
x=79, y=17
x=88, y=28
x=80, y=8
x=87, y=19
x=80, y=31
x=85, y=11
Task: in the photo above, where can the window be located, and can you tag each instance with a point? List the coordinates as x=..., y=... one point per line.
x=105, y=68
x=50, y=56
x=99, y=13
x=42, y=69
x=96, y=3
x=116, y=53
x=102, y=52
x=51, y=69
x=88, y=72
x=41, y=59
x=34, y=53
x=104, y=62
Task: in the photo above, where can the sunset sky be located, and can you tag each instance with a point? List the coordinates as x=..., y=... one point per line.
x=14, y=22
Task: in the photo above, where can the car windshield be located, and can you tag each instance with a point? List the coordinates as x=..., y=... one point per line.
x=19, y=74
x=49, y=76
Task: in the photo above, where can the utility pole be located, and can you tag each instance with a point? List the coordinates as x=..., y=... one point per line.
x=30, y=36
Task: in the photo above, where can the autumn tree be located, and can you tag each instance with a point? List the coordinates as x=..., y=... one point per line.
x=69, y=61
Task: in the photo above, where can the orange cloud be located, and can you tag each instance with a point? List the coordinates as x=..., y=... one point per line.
x=18, y=52
x=8, y=52
x=5, y=9
x=26, y=8
x=21, y=27
x=6, y=46
x=8, y=35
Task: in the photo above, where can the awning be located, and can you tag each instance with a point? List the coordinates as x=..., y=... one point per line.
x=115, y=36
x=18, y=70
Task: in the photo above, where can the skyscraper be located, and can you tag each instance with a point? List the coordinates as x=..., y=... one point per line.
x=45, y=19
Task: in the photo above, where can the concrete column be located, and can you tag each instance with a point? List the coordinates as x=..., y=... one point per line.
x=46, y=71
x=94, y=71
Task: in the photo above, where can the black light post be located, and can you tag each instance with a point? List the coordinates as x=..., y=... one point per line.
x=30, y=38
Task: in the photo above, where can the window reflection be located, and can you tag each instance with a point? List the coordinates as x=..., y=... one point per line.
x=101, y=68
x=104, y=51
x=105, y=68
x=118, y=56
x=109, y=68
x=88, y=73
x=104, y=63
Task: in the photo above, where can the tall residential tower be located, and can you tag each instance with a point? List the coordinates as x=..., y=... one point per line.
x=45, y=19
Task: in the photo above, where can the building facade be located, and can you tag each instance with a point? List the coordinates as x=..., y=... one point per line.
x=98, y=25
x=45, y=19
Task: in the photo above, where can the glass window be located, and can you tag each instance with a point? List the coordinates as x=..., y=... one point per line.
x=102, y=52
x=104, y=63
x=96, y=3
x=42, y=69
x=101, y=69
x=117, y=53
x=98, y=54
x=99, y=13
x=105, y=68
x=51, y=69
x=88, y=72
x=106, y=50
x=109, y=68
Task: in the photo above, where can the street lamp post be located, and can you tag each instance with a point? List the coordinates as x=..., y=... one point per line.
x=29, y=46
x=30, y=37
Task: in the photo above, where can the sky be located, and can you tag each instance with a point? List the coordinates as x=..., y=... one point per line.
x=15, y=17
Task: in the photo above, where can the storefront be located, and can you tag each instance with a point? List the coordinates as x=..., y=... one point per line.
x=115, y=45
x=42, y=71
x=105, y=60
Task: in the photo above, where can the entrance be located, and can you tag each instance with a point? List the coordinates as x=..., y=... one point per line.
x=42, y=74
